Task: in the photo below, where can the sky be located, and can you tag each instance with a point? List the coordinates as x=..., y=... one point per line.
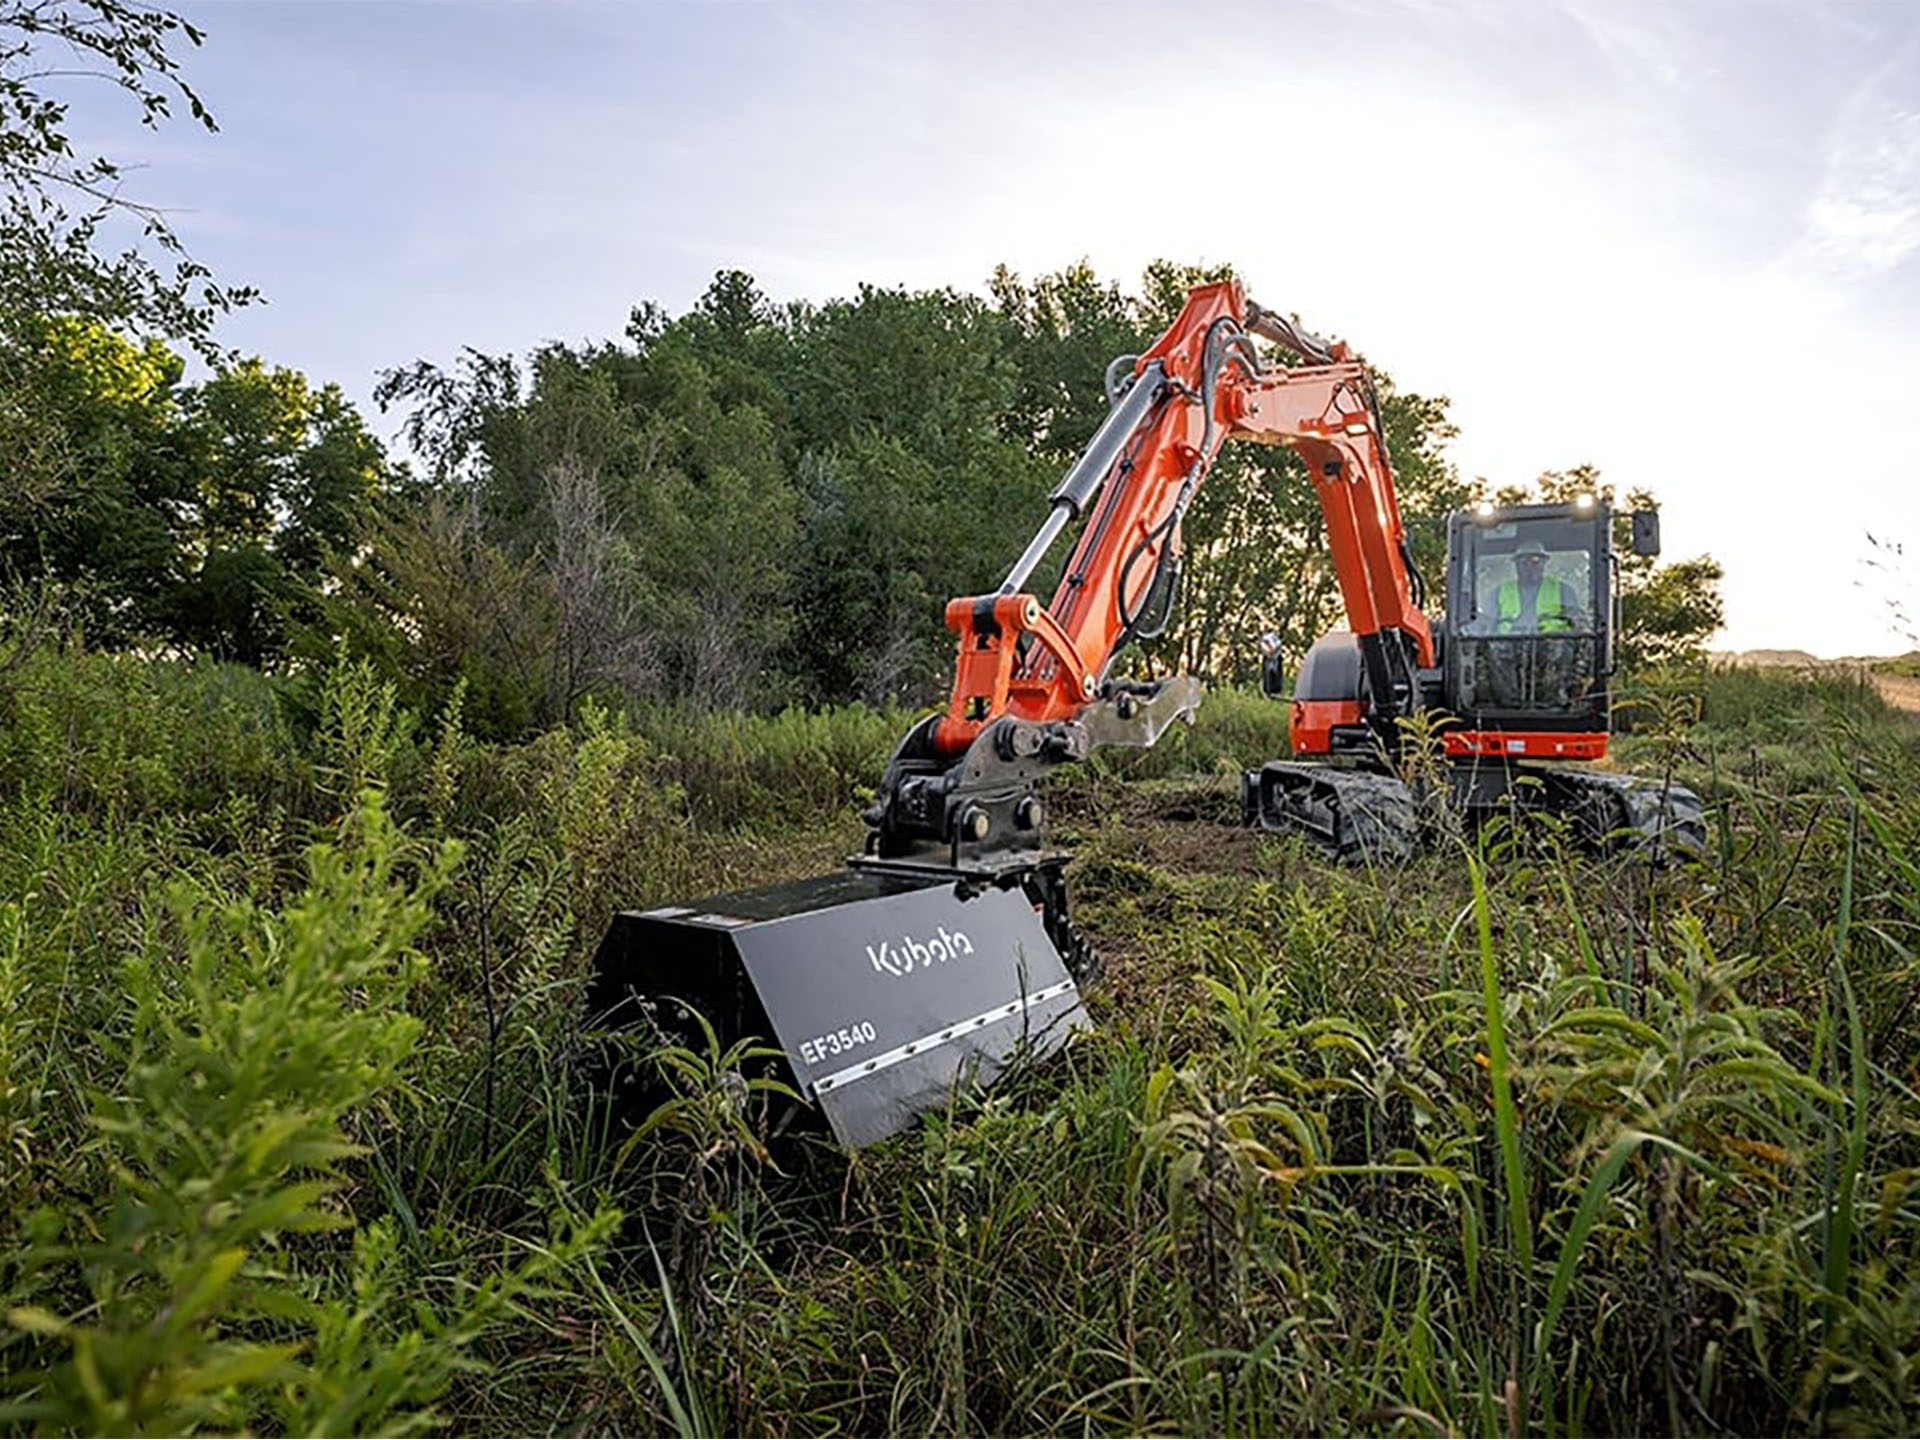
x=1677, y=241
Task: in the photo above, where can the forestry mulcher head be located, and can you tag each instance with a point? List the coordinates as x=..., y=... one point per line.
x=935, y=960
x=885, y=990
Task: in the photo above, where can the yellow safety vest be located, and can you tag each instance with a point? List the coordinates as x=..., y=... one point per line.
x=1548, y=606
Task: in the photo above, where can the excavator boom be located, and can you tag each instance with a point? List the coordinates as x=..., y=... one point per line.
x=1200, y=385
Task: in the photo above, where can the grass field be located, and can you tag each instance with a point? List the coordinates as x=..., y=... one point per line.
x=1508, y=1140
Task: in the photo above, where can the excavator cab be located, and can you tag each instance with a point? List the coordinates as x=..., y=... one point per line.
x=1525, y=659
x=1530, y=623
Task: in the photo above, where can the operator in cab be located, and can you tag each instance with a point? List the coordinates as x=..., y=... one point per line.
x=1533, y=602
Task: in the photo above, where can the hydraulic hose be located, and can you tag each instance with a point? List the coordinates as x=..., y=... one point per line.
x=1225, y=342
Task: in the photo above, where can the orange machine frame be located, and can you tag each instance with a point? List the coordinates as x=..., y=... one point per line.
x=1322, y=412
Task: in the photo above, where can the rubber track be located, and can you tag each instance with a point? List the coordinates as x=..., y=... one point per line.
x=1355, y=816
x=1656, y=820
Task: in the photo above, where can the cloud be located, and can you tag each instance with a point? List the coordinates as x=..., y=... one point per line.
x=1863, y=221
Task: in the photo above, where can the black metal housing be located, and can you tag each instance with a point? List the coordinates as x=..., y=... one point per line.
x=882, y=987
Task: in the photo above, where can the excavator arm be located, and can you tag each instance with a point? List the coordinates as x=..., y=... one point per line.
x=1033, y=688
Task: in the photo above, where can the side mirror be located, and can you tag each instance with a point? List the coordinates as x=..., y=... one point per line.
x=1646, y=532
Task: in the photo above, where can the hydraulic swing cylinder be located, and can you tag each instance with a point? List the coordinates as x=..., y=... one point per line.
x=1071, y=496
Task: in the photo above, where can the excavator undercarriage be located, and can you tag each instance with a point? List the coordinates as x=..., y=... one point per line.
x=1376, y=818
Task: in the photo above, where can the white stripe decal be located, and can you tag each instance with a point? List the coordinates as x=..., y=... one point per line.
x=947, y=1036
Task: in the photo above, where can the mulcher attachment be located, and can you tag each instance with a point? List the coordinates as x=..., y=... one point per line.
x=884, y=989
x=938, y=958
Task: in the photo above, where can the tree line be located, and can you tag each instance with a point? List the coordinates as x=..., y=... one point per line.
x=753, y=503
x=749, y=504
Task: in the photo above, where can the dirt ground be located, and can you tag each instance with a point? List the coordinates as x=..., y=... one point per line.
x=1901, y=691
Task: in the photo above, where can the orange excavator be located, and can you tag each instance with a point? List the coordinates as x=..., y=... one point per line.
x=946, y=949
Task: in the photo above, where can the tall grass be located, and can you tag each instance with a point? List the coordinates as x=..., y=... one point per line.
x=1512, y=1140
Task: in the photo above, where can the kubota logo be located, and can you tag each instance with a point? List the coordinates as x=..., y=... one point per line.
x=911, y=954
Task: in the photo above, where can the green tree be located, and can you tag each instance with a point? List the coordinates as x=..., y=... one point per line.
x=72, y=241
x=840, y=468
x=637, y=498
x=872, y=571
x=508, y=573
x=1668, y=612
x=914, y=489
x=836, y=472
x=709, y=516
x=281, y=471
x=1064, y=329
x=106, y=519
x=439, y=607
x=198, y=514
x=58, y=205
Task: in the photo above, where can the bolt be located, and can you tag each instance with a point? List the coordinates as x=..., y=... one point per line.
x=1030, y=814
x=975, y=823
x=1023, y=741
